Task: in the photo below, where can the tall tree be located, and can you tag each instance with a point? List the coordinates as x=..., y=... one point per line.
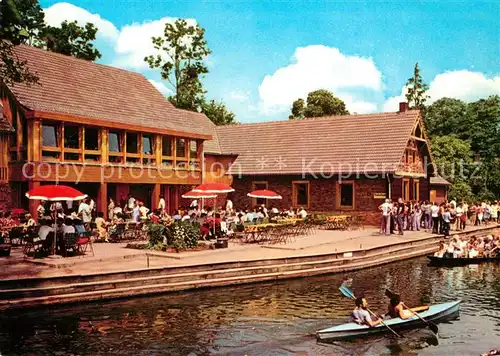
x=417, y=89
x=218, y=113
x=71, y=40
x=446, y=116
x=12, y=69
x=319, y=103
x=182, y=50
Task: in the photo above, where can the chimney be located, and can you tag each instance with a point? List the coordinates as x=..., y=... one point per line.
x=403, y=106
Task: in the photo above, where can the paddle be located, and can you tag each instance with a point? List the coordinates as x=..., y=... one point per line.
x=430, y=324
x=349, y=294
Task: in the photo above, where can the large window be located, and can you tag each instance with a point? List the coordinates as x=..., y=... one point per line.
x=115, y=146
x=50, y=135
x=167, y=159
x=301, y=193
x=180, y=148
x=194, y=161
x=415, y=190
x=346, y=194
x=405, y=194
x=258, y=186
x=132, y=143
x=71, y=137
x=148, y=149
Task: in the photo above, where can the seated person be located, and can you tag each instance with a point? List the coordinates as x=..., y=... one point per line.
x=302, y=213
x=29, y=221
x=177, y=216
x=155, y=216
x=361, y=316
x=101, y=225
x=67, y=227
x=185, y=216
x=78, y=224
x=396, y=309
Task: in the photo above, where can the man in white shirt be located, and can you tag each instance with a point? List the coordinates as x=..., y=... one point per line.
x=161, y=204
x=44, y=230
x=229, y=206
x=435, y=218
x=85, y=212
x=386, y=217
x=302, y=213
x=92, y=204
x=131, y=202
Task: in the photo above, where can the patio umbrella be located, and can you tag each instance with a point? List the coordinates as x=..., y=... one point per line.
x=214, y=188
x=55, y=193
x=264, y=194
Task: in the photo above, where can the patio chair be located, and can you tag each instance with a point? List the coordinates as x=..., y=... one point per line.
x=17, y=235
x=69, y=243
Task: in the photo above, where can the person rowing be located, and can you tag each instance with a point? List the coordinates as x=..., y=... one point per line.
x=360, y=314
x=396, y=308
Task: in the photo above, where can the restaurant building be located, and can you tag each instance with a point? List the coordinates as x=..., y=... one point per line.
x=110, y=133
x=105, y=130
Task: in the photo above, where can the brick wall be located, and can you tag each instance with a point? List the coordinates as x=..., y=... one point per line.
x=323, y=194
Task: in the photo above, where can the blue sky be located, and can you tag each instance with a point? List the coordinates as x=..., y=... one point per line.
x=266, y=54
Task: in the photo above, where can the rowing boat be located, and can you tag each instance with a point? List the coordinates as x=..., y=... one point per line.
x=461, y=261
x=435, y=313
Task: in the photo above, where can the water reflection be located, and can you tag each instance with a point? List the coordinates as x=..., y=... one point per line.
x=269, y=318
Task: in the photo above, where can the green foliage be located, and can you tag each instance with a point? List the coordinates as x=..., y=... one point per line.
x=183, y=48
x=71, y=40
x=218, y=113
x=155, y=234
x=450, y=154
x=183, y=235
x=416, y=90
x=13, y=70
x=319, y=103
x=459, y=191
x=32, y=20
x=445, y=117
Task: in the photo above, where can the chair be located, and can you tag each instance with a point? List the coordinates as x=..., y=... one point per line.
x=17, y=234
x=69, y=242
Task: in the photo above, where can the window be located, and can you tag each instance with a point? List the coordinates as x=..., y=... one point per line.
x=405, y=194
x=92, y=139
x=166, y=146
x=413, y=157
x=180, y=148
x=258, y=186
x=71, y=137
x=132, y=142
x=147, y=145
x=50, y=135
x=193, y=149
x=115, y=144
x=346, y=194
x=415, y=190
x=300, y=192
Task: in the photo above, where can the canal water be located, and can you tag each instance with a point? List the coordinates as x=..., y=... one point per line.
x=267, y=319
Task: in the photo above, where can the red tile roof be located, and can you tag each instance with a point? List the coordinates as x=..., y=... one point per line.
x=85, y=89
x=438, y=180
x=353, y=143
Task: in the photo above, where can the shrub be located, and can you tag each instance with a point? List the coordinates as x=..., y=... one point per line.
x=155, y=234
x=183, y=235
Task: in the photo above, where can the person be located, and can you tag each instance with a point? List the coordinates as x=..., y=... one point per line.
x=101, y=224
x=385, y=223
x=29, y=220
x=427, y=213
x=194, y=204
x=143, y=211
x=400, y=216
x=67, y=226
x=79, y=228
x=494, y=212
x=458, y=218
x=177, y=217
x=111, y=209
x=435, y=218
x=45, y=229
x=131, y=202
x=40, y=210
x=161, y=204
x=302, y=213
x=396, y=309
x=446, y=221
x=229, y=205
x=85, y=212
x=136, y=214
x=361, y=316
x=417, y=217
x=185, y=216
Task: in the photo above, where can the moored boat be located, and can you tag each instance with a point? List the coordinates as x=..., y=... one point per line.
x=435, y=313
x=461, y=261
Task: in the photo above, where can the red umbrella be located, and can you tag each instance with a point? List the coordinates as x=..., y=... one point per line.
x=214, y=188
x=55, y=193
x=264, y=194
x=198, y=195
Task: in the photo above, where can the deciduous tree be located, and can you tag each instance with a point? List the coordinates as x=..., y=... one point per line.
x=182, y=50
x=218, y=113
x=319, y=103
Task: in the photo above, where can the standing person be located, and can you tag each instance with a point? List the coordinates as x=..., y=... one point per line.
x=85, y=212
x=446, y=219
x=161, y=204
x=458, y=217
x=229, y=206
x=435, y=218
x=385, y=221
x=143, y=211
x=494, y=212
x=40, y=210
x=131, y=203
x=111, y=209
x=400, y=215
x=135, y=212
x=392, y=217
x=465, y=210
x=417, y=217
x=479, y=214
x=92, y=205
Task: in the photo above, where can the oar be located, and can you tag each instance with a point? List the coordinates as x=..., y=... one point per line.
x=349, y=294
x=430, y=324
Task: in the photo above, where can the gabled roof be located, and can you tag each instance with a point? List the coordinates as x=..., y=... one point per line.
x=372, y=143
x=438, y=180
x=71, y=86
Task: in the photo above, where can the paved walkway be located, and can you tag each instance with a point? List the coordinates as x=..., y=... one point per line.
x=116, y=257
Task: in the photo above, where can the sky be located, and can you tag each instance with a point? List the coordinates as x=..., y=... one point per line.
x=266, y=54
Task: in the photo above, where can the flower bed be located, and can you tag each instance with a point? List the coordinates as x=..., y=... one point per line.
x=179, y=236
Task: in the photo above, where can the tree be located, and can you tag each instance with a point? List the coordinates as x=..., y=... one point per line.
x=182, y=50
x=319, y=103
x=416, y=90
x=71, y=40
x=32, y=20
x=12, y=69
x=445, y=117
x=218, y=113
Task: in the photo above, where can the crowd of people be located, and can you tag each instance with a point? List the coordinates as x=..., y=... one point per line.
x=440, y=218
x=464, y=247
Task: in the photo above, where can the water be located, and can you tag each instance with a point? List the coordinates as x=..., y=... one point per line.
x=268, y=318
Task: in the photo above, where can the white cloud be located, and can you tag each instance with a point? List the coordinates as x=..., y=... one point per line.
x=317, y=67
x=59, y=12
x=134, y=42
x=161, y=87
x=357, y=106
x=464, y=85
x=239, y=95
x=460, y=84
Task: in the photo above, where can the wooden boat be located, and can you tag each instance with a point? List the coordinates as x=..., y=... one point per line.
x=462, y=261
x=435, y=313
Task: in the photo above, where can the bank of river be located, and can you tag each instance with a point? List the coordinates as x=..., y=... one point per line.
x=268, y=318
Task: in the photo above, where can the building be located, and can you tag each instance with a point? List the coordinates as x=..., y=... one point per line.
x=105, y=130
x=110, y=133
x=331, y=164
